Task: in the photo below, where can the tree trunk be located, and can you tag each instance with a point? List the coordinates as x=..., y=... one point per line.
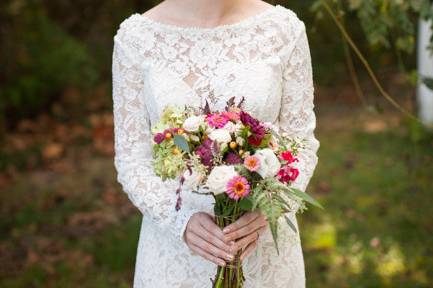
x=425, y=69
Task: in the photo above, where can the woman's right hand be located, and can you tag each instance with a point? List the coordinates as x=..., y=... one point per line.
x=205, y=238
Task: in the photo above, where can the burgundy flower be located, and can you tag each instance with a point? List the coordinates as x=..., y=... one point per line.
x=247, y=119
x=257, y=129
x=205, y=152
x=158, y=138
x=233, y=159
x=254, y=140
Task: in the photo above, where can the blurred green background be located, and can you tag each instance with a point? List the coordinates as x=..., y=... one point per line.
x=65, y=222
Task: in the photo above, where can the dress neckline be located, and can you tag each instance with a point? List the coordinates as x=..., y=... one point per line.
x=241, y=23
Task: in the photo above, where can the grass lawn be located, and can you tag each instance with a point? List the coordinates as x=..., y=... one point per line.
x=377, y=228
x=70, y=226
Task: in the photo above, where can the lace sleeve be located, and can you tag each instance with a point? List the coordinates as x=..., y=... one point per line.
x=297, y=117
x=133, y=145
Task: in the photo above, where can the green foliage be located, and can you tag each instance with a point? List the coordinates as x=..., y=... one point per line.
x=274, y=199
x=388, y=23
x=39, y=60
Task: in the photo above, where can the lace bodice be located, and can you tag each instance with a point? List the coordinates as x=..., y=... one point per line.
x=265, y=59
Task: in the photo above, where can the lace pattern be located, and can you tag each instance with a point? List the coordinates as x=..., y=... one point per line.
x=266, y=60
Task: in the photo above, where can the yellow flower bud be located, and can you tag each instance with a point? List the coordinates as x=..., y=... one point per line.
x=168, y=136
x=233, y=145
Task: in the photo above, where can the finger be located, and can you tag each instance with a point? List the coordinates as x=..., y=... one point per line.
x=248, y=250
x=248, y=229
x=197, y=240
x=211, y=238
x=244, y=242
x=207, y=255
x=244, y=220
x=210, y=226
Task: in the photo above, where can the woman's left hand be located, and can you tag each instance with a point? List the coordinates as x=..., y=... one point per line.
x=246, y=231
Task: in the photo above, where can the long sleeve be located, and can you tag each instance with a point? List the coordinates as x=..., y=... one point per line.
x=297, y=117
x=133, y=143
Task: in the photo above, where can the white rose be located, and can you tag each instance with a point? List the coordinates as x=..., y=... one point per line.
x=269, y=163
x=220, y=136
x=193, y=179
x=193, y=123
x=219, y=177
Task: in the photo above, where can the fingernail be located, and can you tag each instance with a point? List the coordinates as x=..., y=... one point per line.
x=222, y=263
x=230, y=257
x=226, y=230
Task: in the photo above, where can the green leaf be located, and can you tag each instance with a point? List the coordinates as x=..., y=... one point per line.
x=228, y=211
x=290, y=223
x=274, y=231
x=304, y=196
x=181, y=142
x=265, y=141
x=246, y=204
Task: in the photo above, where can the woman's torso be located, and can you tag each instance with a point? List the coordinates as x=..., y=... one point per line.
x=188, y=66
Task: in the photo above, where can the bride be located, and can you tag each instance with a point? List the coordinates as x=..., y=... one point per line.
x=189, y=52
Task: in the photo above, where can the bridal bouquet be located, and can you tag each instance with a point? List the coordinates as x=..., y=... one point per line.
x=246, y=165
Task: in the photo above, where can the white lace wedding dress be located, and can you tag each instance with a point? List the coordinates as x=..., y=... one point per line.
x=264, y=58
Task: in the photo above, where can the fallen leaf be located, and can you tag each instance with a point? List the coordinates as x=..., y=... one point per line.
x=52, y=151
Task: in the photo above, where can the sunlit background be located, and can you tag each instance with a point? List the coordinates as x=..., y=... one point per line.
x=65, y=222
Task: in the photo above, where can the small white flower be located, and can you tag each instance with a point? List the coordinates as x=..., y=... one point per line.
x=219, y=177
x=192, y=180
x=232, y=127
x=239, y=127
x=240, y=141
x=193, y=123
x=187, y=137
x=220, y=136
x=194, y=138
x=269, y=163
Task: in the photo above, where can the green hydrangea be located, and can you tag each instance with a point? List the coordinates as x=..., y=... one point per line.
x=168, y=161
x=173, y=116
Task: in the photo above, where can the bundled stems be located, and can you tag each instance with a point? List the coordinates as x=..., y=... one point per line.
x=230, y=276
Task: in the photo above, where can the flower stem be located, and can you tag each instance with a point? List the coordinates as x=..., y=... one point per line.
x=231, y=275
